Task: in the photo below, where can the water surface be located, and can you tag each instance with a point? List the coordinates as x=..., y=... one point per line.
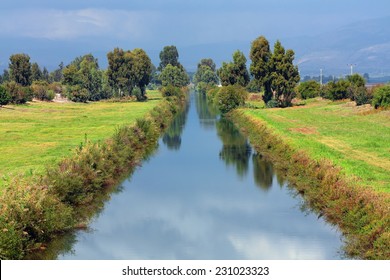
x=205, y=194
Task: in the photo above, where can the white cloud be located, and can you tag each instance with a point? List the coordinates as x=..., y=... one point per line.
x=64, y=25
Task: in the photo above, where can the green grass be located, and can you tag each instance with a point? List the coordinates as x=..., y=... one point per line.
x=40, y=133
x=359, y=143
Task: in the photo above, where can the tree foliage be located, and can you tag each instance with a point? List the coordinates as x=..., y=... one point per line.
x=381, y=97
x=36, y=72
x=308, y=89
x=205, y=76
x=5, y=98
x=284, y=75
x=20, y=69
x=174, y=76
x=169, y=55
x=127, y=70
x=230, y=97
x=275, y=71
x=260, y=55
x=234, y=73
x=83, y=73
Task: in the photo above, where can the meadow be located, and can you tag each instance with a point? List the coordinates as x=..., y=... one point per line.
x=39, y=134
x=353, y=138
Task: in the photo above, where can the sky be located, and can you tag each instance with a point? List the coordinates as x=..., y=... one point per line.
x=52, y=31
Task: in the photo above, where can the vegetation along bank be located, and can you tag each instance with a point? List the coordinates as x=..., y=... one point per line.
x=339, y=174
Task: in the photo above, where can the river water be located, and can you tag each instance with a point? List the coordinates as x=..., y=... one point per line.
x=204, y=194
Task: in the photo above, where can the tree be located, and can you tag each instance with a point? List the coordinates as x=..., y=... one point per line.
x=230, y=97
x=240, y=70
x=169, y=55
x=284, y=75
x=5, y=98
x=142, y=72
x=235, y=72
x=205, y=76
x=357, y=90
x=36, y=73
x=119, y=71
x=174, y=76
x=56, y=75
x=20, y=69
x=129, y=72
x=84, y=73
x=208, y=62
x=5, y=77
x=260, y=55
x=45, y=74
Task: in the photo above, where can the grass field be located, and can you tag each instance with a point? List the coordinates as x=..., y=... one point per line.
x=356, y=141
x=40, y=133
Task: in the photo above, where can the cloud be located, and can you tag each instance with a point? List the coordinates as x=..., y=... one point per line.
x=74, y=24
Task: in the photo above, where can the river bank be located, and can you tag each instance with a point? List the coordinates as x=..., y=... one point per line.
x=35, y=211
x=362, y=213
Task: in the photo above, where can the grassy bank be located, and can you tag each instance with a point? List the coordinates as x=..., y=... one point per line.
x=34, y=210
x=40, y=133
x=356, y=140
x=315, y=146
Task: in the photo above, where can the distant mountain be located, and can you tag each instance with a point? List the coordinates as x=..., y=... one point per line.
x=364, y=44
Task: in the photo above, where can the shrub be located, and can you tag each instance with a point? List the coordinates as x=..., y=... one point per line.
x=308, y=89
x=381, y=97
x=41, y=91
x=273, y=103
x=231, y=97
x=77, y=94
x=171, y=90
x=28, y=214
x=359, y=94
x=336, y=90
x=5, y=98
x=18, y=93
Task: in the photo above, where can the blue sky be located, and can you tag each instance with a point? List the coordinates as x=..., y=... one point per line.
x=38, y=27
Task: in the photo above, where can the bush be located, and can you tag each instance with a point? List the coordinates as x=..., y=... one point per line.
x=41, y=91
x=18, y=93
x=231, y=97
x=273, y=103
x=29, y=215
x=171, y=91
x=381, y=97
x=5, y=98
x=336, y=90
x=77, y=94
x=360, y=95
x=308, y=89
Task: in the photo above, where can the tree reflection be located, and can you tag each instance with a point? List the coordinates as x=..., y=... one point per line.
x=172, y=137
x=262, y=172
x=206, y=113
x=236, y=150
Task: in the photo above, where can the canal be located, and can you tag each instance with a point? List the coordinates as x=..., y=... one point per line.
x=204, y=194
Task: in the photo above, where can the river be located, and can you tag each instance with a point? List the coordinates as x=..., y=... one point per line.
x=204, y=194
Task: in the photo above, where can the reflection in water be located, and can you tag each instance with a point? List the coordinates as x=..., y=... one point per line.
x=186, y=205
x=236, y=150
x=262, y=172
x=172, y=137
x=207, y=114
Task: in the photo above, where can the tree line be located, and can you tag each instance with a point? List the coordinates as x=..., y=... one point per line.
x=274, y=75
x=128, y=74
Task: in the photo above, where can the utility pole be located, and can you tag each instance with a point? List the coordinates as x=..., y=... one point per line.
x=352, y=65
x=321, y=77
